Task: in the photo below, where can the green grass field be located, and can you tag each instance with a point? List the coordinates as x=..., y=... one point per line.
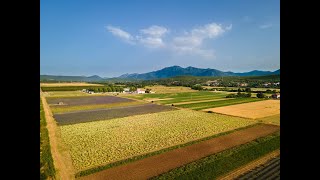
x=47, y=169
x=97, y=143
x=174, y=95
x=275, y=119
x=213, y=104
x=214, y=166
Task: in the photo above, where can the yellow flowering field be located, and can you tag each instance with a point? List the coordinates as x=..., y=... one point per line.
x=102, y=142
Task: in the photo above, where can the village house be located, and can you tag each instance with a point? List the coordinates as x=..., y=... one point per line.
x=140, y=91
x=243, y=84
x=276, y=96
x=126, y=90
x=212, y=83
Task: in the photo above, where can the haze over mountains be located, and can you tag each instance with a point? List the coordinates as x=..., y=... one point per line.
x=163, y=73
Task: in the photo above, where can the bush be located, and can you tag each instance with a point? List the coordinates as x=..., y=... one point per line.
x=260, y=95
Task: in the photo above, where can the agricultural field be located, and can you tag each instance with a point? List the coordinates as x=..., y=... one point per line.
x=236, y=88
x=217, y=165
x=141, y=134
x=275, y=119
x=213, y=104
x=270, y=170
x=253, y=110
x=62, y=94
x=169, y=89
x=110, y=113
x=87, y=100
x=67, y=84
x=64, y=109
x=146, y=168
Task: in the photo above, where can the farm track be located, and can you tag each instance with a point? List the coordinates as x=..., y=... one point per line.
x=250, y=166
x=158, y=164
x=60, y=154
x=269, y=170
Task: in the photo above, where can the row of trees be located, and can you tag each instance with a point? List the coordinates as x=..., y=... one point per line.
x=107, y=89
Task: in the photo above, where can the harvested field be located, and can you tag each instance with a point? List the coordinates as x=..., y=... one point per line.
x=105, y=114
x=64, y=109
x=72, y=101
x=65, y=93
x=253, y=110
x=147, y=168
x=67, y=84
x=275, y=119
x=227, y=102
x=103, y=142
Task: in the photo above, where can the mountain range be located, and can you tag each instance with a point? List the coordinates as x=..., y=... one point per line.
x=163, y=73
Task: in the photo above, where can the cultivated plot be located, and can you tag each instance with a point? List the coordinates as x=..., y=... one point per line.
x=72, y=101
x=105, y=114
x=253, y=110
x=102, y=142
x=67, y=84
x=212, y=104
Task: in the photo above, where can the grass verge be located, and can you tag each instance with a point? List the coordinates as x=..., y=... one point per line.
x=219, y=164
x=46, y=162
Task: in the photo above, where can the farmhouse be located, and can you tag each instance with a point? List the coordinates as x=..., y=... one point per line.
x=243, y=84
x=275, y=96
x=126, y=90
x=212, y=83
x=60, y=103
x=139, y=91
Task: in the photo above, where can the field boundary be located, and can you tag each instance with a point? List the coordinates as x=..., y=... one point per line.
x=61, y=157
x=139, y=157
x=251, y=165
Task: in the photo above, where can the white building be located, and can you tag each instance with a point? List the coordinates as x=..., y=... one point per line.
x=139, y=91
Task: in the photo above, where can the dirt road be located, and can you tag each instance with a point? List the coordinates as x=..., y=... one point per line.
x=158, y=164
x=61, y=158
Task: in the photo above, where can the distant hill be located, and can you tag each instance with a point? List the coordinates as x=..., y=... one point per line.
x=167, y=72
x=192, y=71
x=70, y=78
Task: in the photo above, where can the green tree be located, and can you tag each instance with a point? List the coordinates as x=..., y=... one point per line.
x=260, y=95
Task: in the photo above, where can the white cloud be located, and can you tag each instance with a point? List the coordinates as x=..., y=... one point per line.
x=155, y=31
x=120, y=33
x=193, y=42
x=265, y=26
x=188, y=42
x=152, y=42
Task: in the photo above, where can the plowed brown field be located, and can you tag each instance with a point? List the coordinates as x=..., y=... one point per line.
x=158, y=164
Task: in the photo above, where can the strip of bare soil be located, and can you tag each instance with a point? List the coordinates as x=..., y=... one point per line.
x=158, y=164
x=61, y=157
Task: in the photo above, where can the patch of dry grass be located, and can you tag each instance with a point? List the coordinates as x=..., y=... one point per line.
x=253, y=110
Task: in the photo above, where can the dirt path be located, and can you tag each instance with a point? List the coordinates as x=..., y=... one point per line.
x=61, y=158
x=158, y=164
x=234, y=174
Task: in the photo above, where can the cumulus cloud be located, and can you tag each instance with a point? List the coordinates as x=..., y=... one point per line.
x=265, y=26
x=155, y=31
x=192, y=42
x=116, y=31
x=188, y=42
x=152, y=37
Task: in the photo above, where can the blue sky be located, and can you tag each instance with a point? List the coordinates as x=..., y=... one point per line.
x=110, y=38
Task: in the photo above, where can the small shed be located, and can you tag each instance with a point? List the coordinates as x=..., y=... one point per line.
x=60, y=103
x=276, y=96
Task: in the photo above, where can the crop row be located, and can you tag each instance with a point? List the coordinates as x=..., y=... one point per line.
x=64, y=109
x=103, y=142
x=105, y=114
x=213, y=104
x=217, y=165
x=86, y=100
